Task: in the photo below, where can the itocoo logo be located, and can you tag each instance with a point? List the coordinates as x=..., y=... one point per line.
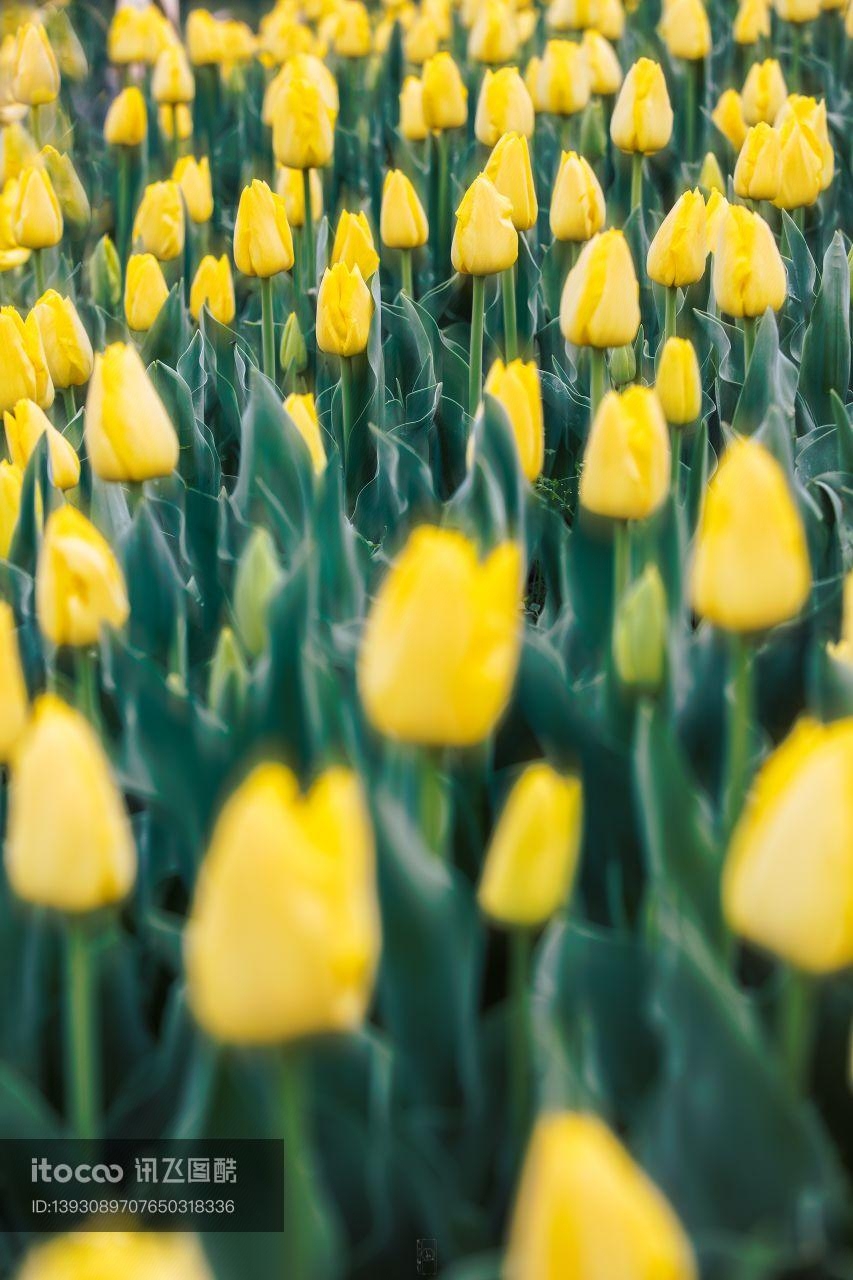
x=43, y=1171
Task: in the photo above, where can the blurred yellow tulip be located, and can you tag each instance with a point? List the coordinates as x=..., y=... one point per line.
x=129, y=434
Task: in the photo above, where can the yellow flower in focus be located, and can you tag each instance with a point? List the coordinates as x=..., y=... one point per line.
x=67, y=349
x=764, y=92
x=126, y=124
x=626, y=465
x=504, y=106
x=79, y=584
x=344, y=311
x=354, y=243
x=758, y=172
x=484, y=238
x=403, y=221
x=812, y=114
x=193, y=177
x=678, y=382
x=413, y=124
x=25, y=425
x=302, y=131
x=801, y=164
x=11, y=484
x=145, y=291
x=516, y=387
x=788, y=877
x=605, y=69
x=577, y=201
x=213, y=287
x=642, y=117
x=283, y=937
x=685, y=29
x=38, y=220
x=749, y=275
x=290, y=186
x=678, y=253
x=14, y=699
x=133, y=1255
x=36, y=77
x=493, y=37
x=173, y=81
x=729, y=118
x=24, y=373
x=509, y=169
x=444, y=98
x=533, y=853
x=442, y=641
x=752, y=22
x=303, y=411
x=584, y=1208
x=563, y=82
x=600, y=306
x=263, y=244
x=751, y=565
x=129, y=434
x=159, y=221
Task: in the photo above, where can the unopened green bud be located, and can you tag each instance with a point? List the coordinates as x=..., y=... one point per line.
x=623, y=365
x=593, y=133
x=294, y=354
x=258, y=576
x=711, y=175
x=226, y=688
x=639, y=636
x=105, y=275
x=70, y=191
x=70, y=54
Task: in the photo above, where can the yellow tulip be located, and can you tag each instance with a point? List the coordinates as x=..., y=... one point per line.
x=533, y=853
x=493, y=37
x=679, y=251
x=11, y=484
x=751, y=564
x=353, y=37
x=66, y=344
x=204, y=37
x=213, y=287
x=484, y=239
x=711, y=178
x=685, y=29
x=788, y=876
x=283, y=936
x=263, y=244
x=812, y=114
x=134, y=1255
x=403, y=221
x=749, y=275
x=70, y=192
x=716, y=208
x=764, y=92
x=138, y=35
x=79, y=584
x=129, y=434
x=509, y=169
x=679, y=383
x=626, y=466
x=798, y=10
x=301, y=66
x=126, y=124
x=504, y=106
x=758, y=172
x=600, y=306
x=159, y=221
x=303, y=411
x=584, y=1208
x=563, y=82
x=642, y=117
x=354, y=245
x=444, y=98
x=413, y=124
x=729, y=118
x=752, y=22
x=290, y=186
x=36, y=78
x=801, y=165
x=11, y=253
x=422, y=39
x=442, y=640
x=38, y=218
x=516, y=386
x=145, y=291
x=605, y=70
x=25, y=425
x=77, y=853
x=344, y=311
x=175, y=122
x=303, y=131
x=193, y=177
x=173, y=81
x=24, y=374
x=14, y=699
x=577, y=201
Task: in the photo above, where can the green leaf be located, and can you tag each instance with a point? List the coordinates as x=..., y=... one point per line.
x=825, y=365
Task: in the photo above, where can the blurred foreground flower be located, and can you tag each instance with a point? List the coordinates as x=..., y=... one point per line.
x=143, y=1255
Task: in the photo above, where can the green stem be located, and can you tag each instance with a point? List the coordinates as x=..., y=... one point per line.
x=123, y=201
x=38, y=265
x=443, y=239
x=475, y=361
x=510, y=319
x=748, y=341
x=636, y=180
x=82, y=1066
x=597, y=379
x=740, y=697
x=518, y=1025
x=309, y=266
x=35, y=121
x=670, y=323
x=86, y=685
x=433, y=802
x=621, y=562
x=796, y=57
x=70, y=403
x=675, y=450
x=407, y=281
x=690, y=108
x=297, y=1188
x=267, y=327
x=346, y=407
x=796, y=1028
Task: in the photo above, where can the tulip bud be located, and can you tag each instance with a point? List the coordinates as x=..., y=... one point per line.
x=344, y=311
x=729, y=118
x=229, y=679
x=812, y=115
x=716, y=208
x=422, y=40
x=685, y=29
x=79, y=585
x=403, y=222
x=604, y=68
x=173, y=80
x=193, y=177
x=749, y=275
x=640, y=633
x=145, y=291
x=764, y=92
x=752, y=22
x=159, y=221
x=352, y=34
x=798, y=11
x=129, y=434
x=263, y=245
x=581, y=1196
x=118, y=1253
x=175, y=123
x=600, y=306
x=642, y=117
x=77, y=853
x=67, y=349
x=751, y=564
x=38, y=217
x=303, y=130
x=138, y=35
x=533, y=853
x=504, y=106
x=508, y=167
x=493, y=37
x=563, y=81
x=14, y=699
x=412, y=122
x=354, y=244
x=11, y=484
x=711, y=175
x=577, y=201
x=758, y=172
x=788, y=875
x=623, y=365
x=593, y=140
x=679, y=382
x=11, y=253
x=516, y=387
x=213, y=287
x=18, y=152
x=484, y=239
x=70, y=192
x=444, y=98
x=25, y=425
x=104, y=272
x=23, y=366
x=258, y=577
x=291, y=187
x=442, y=640
x=36, y=78
x=126, y=122
x=800, y=165
x=205, y=46
x=293, y=353
x=678, y=253
x=303, y=411
x=626, y=465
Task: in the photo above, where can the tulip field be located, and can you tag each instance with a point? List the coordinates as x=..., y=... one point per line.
x=426, y=630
